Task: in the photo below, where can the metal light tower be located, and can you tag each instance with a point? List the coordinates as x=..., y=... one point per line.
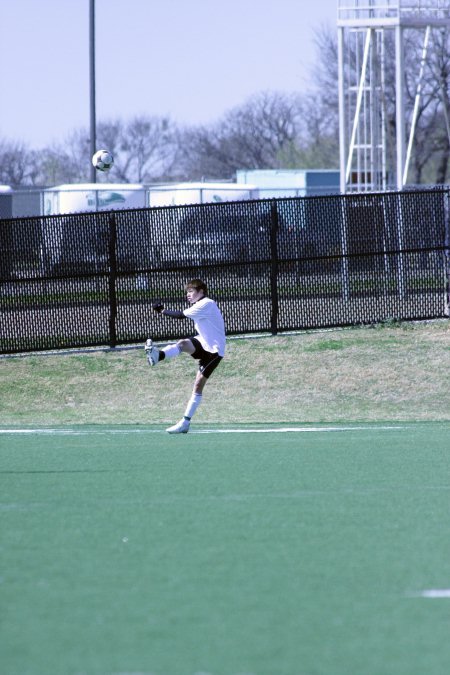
x=93, y=122
x=368, y=160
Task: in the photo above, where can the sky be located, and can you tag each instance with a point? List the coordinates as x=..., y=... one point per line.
x=192, y=60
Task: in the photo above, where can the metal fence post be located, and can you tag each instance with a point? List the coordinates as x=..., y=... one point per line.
x=344, y=245
x=447, y=253
x=112, y=281
x=274, y=266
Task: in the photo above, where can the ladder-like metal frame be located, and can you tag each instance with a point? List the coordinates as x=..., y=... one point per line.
x=364, y=136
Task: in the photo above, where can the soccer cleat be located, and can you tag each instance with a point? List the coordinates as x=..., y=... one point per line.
x=181, y=427
x=152, y=352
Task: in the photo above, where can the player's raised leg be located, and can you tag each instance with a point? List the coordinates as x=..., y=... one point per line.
x=153, y=353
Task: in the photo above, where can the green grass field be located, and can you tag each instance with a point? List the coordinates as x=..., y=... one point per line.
x=300, y=528
x=235, y=550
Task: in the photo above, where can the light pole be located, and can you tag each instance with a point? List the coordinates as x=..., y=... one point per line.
x=93, y=125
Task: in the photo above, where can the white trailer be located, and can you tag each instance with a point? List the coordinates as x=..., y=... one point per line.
x=84, y=197
x=182, y=194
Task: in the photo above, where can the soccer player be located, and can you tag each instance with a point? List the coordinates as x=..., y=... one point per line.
x=208, y=345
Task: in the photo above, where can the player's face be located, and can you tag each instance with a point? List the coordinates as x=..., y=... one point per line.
x=193, y=294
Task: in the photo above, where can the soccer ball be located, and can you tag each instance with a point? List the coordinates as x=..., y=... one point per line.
x=103, y=160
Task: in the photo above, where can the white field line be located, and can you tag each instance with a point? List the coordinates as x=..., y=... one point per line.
x=289, y=430
x=431, y=593
x=268, y=430
x=435, y=593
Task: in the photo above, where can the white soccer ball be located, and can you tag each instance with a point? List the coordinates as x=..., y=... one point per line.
x=103, y=160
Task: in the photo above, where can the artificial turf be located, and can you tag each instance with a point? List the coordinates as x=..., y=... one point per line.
x=256, y=552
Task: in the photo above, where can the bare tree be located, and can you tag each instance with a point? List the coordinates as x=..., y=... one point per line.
x=66, y=162
x=440, y=84
x=150, y=143
x=144, y=149
x=53, y=166
x=251, y=136
x=15, y=163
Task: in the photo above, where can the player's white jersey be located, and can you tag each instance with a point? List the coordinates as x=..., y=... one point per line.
x=209, y=324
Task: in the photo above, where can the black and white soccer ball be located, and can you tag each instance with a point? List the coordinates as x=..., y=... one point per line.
x=102, y=160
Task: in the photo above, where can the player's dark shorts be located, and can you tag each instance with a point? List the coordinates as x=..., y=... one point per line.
x=208, y=361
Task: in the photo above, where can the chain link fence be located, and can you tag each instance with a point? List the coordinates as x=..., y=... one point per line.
x=89, y=279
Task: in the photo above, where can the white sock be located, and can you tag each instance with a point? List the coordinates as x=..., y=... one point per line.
x=171, y=350
x=192, y=405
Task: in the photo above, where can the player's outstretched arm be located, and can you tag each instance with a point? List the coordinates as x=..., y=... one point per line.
x=174, y=313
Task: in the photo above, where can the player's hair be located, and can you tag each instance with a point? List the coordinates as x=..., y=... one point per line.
x=198, y=284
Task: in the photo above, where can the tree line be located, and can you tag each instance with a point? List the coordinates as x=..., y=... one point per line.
x=271, y=130
x=267, y=131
